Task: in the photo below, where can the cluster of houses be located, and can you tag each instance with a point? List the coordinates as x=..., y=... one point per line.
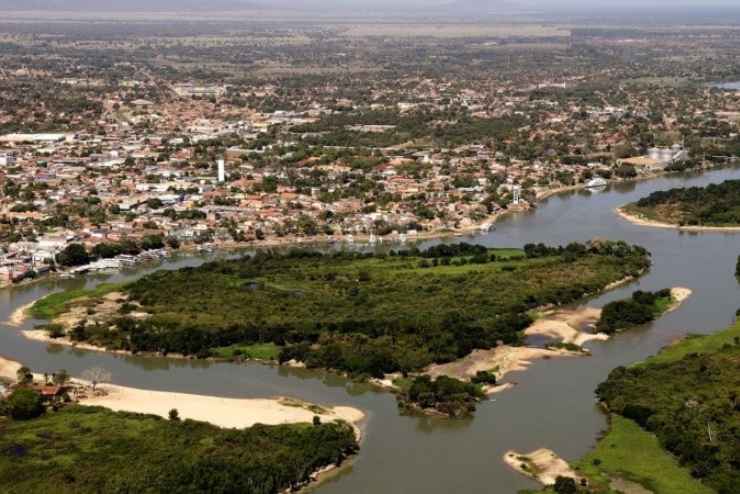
x=198, y=171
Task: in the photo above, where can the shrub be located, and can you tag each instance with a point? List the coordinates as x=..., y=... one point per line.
x=25, y=404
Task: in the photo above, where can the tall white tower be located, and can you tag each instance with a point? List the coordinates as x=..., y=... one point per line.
x=221, y=171
x=517, y=193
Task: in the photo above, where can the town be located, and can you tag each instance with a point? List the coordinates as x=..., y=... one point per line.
x=108, y=167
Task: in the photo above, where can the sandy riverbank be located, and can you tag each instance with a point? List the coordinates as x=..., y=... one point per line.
x=642, y=221
x=42, y=336
x=543, y=465
x=9, y=369
x=223, y=412
x=679, y=295
x=19, y=316
x=568, y=326
x=502, y=360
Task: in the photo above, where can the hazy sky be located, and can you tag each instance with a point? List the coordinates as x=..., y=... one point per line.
x=376, y=5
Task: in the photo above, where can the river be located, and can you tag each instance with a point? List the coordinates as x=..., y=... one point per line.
x=553, y=404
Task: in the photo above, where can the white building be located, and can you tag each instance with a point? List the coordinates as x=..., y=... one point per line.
x=668, y=155
x=221, y=171
x=7, y=159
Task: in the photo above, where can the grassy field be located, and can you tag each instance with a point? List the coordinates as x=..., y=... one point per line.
x=258, y=351
x=695, y=344
x=687, y=397
x=632, y=454
x=81, y=450
x=55, y=304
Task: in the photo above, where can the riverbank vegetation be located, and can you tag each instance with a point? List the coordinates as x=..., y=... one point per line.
x=641, y=308
x=716, y=205
x=89, y=449
x=55, y=304
x=692, y=405
x=675, y=422
x=629, y=459
x=628, y=454
x=358, y=313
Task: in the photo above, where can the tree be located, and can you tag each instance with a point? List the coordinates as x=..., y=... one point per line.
x=152, y=242
x=73, y=255
x=96, y=375
x=154, y=203
x=565, y=485
x=174, y=415
x=626, y=171
x=24, y=375
x=61, y=377
x=25, y=404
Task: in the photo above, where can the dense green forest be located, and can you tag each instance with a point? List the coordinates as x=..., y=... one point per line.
x=714, y=205
x=361, y=313
x=693, y=405
x=641, y=308
x=89, y=450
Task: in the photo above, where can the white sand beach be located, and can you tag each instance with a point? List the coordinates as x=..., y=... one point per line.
x=638, y=220
x=567, y=325
x=501, y=360
x=543, y=465
x=223, y=412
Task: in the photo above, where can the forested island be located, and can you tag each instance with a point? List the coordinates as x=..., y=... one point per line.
x=715, y=206
x=81, y=450
x=362, y=314
x=641, y=308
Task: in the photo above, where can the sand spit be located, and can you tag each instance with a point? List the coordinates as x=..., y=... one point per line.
x=642, y=221
x=19, y=316
x=679, y=295
x=568, y=326
x=501, y=360
x=543, y=465
x=42, y=336
x=9, y=369
x=222, y=412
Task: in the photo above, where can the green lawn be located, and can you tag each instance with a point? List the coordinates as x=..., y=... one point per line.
x=55, y=304
x=629, y=452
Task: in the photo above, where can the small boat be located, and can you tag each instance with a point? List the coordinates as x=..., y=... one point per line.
x=596, y=183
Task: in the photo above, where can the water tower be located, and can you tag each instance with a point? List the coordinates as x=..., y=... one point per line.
x=517, y=194
x=221, y=171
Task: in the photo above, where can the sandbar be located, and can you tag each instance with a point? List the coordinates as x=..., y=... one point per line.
x=543, y=465
x=642, y=221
